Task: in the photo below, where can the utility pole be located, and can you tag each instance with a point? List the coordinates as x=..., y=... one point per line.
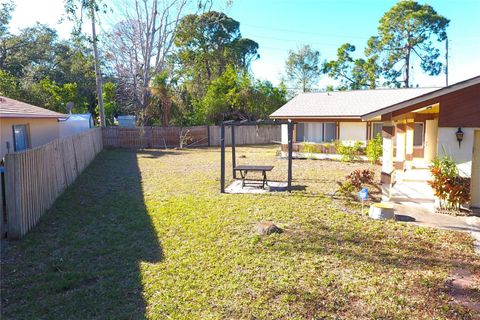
x=446, y=61
x=98, y=74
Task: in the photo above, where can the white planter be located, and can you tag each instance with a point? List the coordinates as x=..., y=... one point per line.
x=381, y=211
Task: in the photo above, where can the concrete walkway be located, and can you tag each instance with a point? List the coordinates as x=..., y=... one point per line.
x=423, y=216
x=256, y=187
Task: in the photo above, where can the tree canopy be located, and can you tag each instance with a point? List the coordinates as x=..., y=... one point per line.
x=39, y=68
x=176, y=62
x=207, y=44
x=354, y=74
x=303, y=68
x=408, y=30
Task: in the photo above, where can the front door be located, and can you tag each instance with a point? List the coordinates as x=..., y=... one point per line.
x=475, y=186
x=431, y=134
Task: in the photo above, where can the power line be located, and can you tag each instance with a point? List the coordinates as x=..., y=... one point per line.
x=320, y=44
x=304, y=32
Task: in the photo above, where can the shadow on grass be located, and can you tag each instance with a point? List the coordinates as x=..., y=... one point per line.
x=83, y=260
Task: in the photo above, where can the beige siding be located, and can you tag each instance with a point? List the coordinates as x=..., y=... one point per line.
x=42, y=131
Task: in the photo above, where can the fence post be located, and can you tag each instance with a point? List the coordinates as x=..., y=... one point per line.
x=208, y=136
x=12, y=192
x=233, y=153
x=222, y=158
x=290, y=151
x=3, y=211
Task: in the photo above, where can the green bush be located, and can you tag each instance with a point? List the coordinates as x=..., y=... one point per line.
x=375, y=149
x=349, y=153
x=346, y=189
x=451, y=189
x=308, y=147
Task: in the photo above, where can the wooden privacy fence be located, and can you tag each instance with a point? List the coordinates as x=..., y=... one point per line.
x=261, y=134
x=154, y=137
x=36, y=177
x=200, y=136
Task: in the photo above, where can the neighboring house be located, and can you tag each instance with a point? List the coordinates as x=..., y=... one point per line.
x=75, y=123
x=24, y=126
x=126, y=121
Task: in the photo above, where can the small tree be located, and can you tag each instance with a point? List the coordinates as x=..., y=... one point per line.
x=407, y=31
x=184, y=138
x=375, y=149
x=303, y=68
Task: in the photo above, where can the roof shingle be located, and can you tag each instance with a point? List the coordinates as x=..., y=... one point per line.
x=10, y=108
x=345, y=104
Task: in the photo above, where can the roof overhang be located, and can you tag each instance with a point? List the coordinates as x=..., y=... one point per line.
x=317, y=117
x=422, y=98
x=36, y=116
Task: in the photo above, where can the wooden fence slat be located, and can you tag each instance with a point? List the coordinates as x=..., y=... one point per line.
x=35, y=178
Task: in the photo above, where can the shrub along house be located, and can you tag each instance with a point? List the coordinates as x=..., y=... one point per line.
x=24, y=126
x=417, y=125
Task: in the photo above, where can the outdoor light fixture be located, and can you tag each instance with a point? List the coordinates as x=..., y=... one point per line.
x=459, y=135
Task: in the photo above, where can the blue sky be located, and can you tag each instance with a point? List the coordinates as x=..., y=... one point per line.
x=281, y=25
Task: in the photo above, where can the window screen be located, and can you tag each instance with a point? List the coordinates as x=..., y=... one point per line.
x=20, y=137
x=418, y=135
x=300, y=132
x=330, y=131
x=376, y=129
x=315, y=132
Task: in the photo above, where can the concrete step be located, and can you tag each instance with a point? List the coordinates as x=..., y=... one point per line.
x=412, y=192
x=420, y=165
x=417, y=175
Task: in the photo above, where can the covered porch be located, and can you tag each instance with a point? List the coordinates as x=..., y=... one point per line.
x=444, y=122
x=410, y=142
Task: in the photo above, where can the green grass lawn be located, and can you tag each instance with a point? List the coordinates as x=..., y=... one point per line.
x=148, y=235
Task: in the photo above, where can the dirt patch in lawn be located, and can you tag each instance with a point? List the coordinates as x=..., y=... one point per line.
x=464, y=288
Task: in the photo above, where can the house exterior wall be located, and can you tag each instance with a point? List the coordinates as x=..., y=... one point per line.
x=448, y=145
x=284, y=133
x=41, y=131
x=350, y=132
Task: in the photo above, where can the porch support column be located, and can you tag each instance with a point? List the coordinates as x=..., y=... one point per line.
x=388, y=170
x=400, y=154
x=410, y=126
